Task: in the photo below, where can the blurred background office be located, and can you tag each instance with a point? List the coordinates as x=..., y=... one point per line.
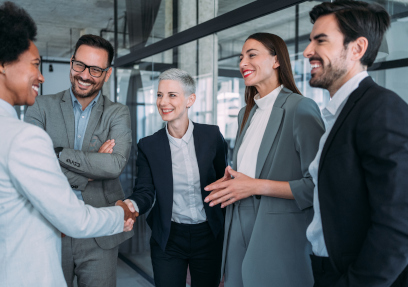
x=203, y=37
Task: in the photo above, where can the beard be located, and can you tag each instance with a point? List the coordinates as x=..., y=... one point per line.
x=95, y=87
x=331, y=72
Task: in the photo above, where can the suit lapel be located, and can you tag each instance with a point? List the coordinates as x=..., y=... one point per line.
x=164, y=155
x=271, y=130
x=240, y=138
x=201, y=157
x=353, y=98
x=94, y=118
x=68, y=114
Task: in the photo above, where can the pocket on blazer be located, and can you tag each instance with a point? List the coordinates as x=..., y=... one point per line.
x=280, y=205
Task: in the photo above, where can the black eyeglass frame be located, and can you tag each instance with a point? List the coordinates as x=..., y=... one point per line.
x=89, y=68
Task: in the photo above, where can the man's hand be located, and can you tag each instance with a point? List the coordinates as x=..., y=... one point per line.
x=130, y=217
x=107, y=146
x=226, y=191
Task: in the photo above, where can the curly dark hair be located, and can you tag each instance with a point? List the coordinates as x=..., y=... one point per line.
x=17, y=29
x=357, y=19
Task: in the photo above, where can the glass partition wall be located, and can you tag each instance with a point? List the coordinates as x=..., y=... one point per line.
x=205, y=37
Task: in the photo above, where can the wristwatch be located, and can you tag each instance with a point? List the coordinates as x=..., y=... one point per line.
x=58, y=150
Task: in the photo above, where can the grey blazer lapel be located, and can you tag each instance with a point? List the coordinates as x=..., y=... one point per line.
x=68, y=114
x=240, y=136
x=96, y=114
x=271, y=130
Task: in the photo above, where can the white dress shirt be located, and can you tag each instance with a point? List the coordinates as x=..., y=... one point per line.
x=330, y=114
x=248, y=151
x=188, y=207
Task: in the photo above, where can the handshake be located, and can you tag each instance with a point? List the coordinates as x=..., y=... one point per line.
x=130, y=214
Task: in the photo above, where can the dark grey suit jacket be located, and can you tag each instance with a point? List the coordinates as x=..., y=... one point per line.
x=108, y=120
x=278, y=251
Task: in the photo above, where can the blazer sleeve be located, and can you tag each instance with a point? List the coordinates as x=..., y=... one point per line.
x=100, y=166
x=308, y=127
x=36, y=175
x=144, y=190
x=34, y=116
x=382, y=144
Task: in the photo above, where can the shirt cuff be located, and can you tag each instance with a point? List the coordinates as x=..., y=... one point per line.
x=135, y=206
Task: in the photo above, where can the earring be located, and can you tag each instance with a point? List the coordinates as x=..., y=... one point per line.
x=4, y=71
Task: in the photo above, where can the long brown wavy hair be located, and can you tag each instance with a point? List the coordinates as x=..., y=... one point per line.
x=276, y=46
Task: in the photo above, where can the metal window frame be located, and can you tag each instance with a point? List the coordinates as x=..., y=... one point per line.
x=238, y=16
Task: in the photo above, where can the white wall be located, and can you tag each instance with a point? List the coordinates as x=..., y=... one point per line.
x=55, y=81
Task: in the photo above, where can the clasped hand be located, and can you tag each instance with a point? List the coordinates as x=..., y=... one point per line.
x=130, y=216
x=226, y=191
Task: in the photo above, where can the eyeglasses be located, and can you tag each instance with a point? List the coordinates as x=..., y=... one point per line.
x=79, y=67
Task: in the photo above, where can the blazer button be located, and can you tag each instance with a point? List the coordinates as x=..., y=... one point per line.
x=72, y=186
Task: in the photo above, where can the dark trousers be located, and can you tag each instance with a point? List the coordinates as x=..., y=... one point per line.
x=189, y=245
x=325, y=274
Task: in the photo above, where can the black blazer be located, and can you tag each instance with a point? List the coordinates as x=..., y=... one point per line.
x=363, y=188
x=155, y=178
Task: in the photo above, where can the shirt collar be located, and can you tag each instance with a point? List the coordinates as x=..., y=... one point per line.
x=76, y=102
x=186, y=138
x=267, y=101
x=344, y=92
x=9, y=108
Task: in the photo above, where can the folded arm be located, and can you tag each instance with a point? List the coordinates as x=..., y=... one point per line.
x=101, y=166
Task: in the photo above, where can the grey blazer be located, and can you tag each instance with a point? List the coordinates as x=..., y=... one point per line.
x=108, y=120
x=278, y=251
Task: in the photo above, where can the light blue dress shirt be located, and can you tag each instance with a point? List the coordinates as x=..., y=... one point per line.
x=330, y=114
x=9, y=108
x=81, y=123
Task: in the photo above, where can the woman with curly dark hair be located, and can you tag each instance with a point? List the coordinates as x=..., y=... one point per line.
x=36, y=200
x=19, y=57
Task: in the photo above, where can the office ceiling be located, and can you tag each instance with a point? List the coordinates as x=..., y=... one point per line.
x=60, y=22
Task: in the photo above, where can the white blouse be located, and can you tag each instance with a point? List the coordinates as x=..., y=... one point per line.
x=248, y=151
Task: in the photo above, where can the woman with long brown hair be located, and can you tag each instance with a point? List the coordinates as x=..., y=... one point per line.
x=269, y=201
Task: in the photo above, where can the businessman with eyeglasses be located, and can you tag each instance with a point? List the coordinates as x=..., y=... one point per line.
x=92, y=141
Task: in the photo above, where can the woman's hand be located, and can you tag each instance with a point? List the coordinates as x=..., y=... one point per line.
x=227, y=191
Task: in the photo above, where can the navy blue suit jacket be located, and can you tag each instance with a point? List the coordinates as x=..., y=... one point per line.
x=155, y=177
x=363, y=188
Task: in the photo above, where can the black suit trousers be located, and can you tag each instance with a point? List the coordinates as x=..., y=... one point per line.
x=189, y=245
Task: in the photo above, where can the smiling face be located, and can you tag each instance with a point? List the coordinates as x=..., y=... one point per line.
x=22, y=78
x=328, y=57
x=258, y=66
x=83, y=84
x=171, y=102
